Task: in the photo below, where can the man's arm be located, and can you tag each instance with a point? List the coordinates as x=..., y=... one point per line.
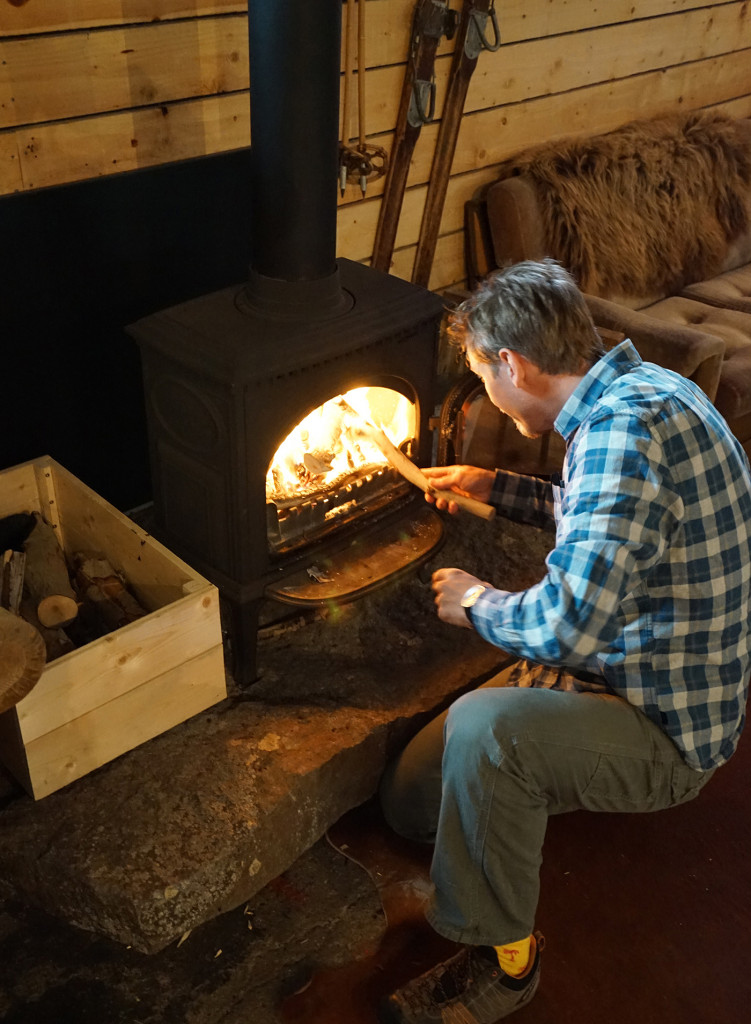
x=524, y=499
x=450, y=586
x=618, y=511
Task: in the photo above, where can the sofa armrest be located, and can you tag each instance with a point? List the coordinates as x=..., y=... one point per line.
x=688, y=351
x=516, y=221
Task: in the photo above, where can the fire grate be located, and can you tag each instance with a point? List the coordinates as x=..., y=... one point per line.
x=293, y=522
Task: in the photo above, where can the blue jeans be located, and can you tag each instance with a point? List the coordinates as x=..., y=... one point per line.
x=481, y=780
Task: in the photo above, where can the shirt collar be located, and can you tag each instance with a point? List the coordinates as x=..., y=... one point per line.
x=618, y=361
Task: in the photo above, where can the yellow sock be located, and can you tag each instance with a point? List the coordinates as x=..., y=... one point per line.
x=514, y=957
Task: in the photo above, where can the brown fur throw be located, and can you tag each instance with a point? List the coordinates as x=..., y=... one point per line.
x=648, y=208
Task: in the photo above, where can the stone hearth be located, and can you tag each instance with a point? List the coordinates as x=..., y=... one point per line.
x=198, y=820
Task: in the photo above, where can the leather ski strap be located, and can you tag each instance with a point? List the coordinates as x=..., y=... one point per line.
x=431, y=20
x=476, y=19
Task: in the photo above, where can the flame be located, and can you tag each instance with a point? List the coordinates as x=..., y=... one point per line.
x=326, y=447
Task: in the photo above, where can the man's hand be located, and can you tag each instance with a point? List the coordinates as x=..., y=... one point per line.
x=449, y=586
x=469, y=480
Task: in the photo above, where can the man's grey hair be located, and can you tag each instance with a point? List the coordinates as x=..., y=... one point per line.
x=533, y=308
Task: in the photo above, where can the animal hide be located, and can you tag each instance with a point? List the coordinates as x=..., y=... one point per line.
x=648, y=208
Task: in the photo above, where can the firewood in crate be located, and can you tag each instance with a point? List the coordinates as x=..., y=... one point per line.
x=22, y=661
x=105, y=591
x=56, y=641
x=11, y=579
x=14, y=529
x=46, y=578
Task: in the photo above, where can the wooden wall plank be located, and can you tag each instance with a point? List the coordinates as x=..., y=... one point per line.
x=388, y=21
x=121, y=68
x=522, y=19
x=521, y=72
x=38, y=16
x=357, y=221
x=10, y=164
x=49, y=78
x=740, y=107
x=91, y=147
x=494, y=135
x=448, y=264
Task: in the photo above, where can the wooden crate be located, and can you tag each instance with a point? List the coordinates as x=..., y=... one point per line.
x=98, y=701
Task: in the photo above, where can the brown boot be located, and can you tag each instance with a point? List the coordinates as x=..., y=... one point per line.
x=470, y=988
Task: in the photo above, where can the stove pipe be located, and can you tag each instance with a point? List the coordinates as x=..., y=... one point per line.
x=295, y=55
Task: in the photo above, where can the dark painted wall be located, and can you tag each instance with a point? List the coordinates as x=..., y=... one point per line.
x=81, y=262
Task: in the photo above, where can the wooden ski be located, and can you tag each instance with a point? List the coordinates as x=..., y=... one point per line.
x=431, y=20
x=471, y=40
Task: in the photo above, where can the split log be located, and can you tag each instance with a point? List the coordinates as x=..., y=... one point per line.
x=11, y=580
x=46, y=579
x=104, y=588
x=56, y=641
x=22, y=659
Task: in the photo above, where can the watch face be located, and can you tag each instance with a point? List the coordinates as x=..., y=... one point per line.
x=471, y=595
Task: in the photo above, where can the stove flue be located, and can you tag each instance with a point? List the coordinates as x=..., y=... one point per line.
x=294, y=52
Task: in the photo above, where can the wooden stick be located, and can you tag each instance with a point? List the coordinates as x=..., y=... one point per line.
x=413, y=473
x=349, y=71
x=361, y=67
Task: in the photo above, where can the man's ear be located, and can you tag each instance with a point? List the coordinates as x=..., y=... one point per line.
x=517, y=366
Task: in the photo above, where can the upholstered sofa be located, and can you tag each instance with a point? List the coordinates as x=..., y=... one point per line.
x=654, y=222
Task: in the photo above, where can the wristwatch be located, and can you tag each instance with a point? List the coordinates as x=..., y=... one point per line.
x=470, y=596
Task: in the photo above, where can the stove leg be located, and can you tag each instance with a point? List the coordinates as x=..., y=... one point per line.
x=242, y=638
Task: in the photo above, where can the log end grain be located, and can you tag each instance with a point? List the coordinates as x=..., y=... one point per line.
x=22, y=659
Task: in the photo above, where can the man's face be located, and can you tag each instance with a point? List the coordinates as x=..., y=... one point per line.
x=514, y=401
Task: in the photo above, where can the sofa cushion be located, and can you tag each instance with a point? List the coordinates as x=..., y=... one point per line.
x=731, y=290
x=733, y=398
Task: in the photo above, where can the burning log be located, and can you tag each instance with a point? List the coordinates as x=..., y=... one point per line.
x=46, y=577
x=23, y=659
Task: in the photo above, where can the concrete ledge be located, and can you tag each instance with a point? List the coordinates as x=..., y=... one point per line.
x=198, y=820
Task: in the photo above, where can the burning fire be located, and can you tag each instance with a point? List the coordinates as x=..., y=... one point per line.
x=326, y=447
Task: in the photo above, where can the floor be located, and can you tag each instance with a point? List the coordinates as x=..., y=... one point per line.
x=646, y=919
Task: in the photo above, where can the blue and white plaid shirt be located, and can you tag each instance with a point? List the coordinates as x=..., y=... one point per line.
x=647, y=591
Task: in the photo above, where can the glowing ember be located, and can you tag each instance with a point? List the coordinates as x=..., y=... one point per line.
x=325, y=448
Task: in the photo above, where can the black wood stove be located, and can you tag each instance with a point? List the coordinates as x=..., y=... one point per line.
x=231, y=376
